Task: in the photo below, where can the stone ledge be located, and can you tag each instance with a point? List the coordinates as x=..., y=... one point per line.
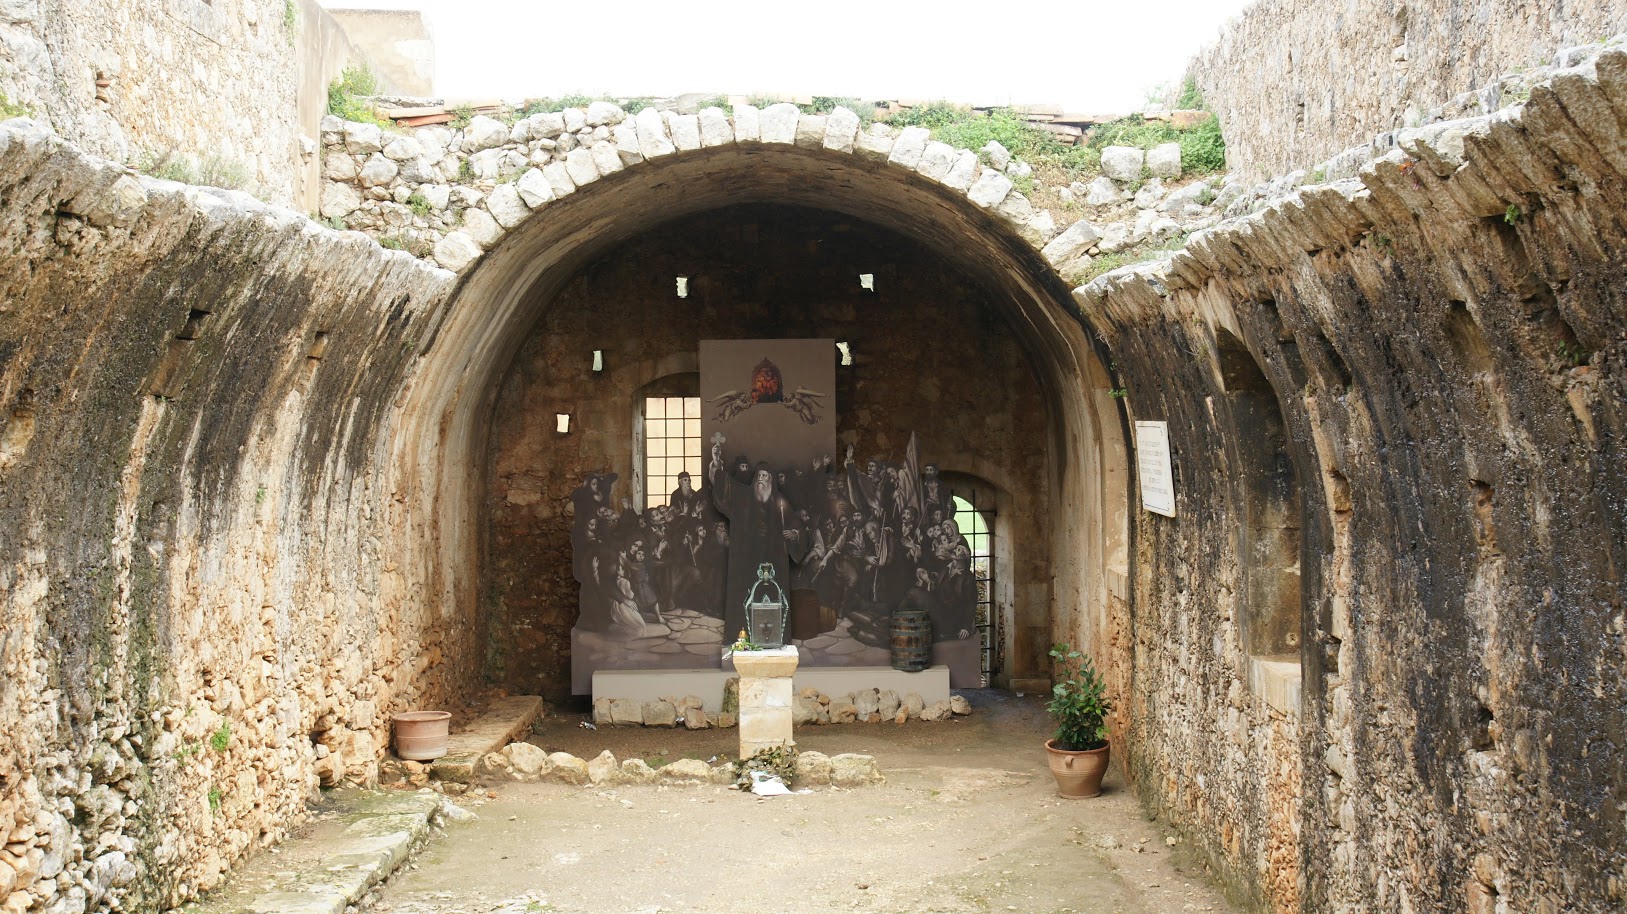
x=366, y=838
x=1277, y=683
x=498, y=726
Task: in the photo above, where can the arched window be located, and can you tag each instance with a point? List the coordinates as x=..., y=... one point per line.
x=975, y=523
x=667, y=432
x=672, y=445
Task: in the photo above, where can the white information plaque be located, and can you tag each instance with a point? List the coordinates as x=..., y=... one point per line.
x=1152, y=461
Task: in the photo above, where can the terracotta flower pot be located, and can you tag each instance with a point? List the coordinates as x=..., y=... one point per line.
x=422, y=736
x=1078, y=774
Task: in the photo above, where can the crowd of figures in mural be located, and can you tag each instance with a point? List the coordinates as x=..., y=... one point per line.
x=661, y=588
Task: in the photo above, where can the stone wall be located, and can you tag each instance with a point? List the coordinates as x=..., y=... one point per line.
x=1295, y=82
x=241, y=476
x=1444, y=341
x=204, y=606
x=931, y=356
x=197, y=78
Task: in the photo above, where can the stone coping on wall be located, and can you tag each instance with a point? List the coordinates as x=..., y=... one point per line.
x=1474, y=168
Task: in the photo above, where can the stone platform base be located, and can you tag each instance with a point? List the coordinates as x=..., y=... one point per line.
x=651, y=685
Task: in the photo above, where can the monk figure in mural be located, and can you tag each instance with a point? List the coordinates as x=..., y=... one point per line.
x=764, y=527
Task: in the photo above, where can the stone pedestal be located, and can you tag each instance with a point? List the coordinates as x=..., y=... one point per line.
x=765, y=698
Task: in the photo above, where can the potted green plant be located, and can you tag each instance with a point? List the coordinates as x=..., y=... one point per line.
x=1079, y=750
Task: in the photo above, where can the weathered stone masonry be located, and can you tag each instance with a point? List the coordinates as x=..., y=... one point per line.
x=240, y=476
x=1450, y=369
x=201, y=585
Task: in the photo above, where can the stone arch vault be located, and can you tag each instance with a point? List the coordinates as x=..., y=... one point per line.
x=500, y=296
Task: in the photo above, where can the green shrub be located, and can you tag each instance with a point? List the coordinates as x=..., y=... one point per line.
x=545, y=105
x=211, y=171
x=10, y=109
x=222, y=737
x=1079, y=702
x=290, y=19
x=419, y=204
x=345, y=96
x=1191, y=97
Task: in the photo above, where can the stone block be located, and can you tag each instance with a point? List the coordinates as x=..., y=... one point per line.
x=685, y=130
x=938, y=710
x=726, y=720
x=996, y=154
x=989, y=190
x=660, y=714
x=637, y=771
x=715, y=127
x=529, y=762
x=887, y=703
x=747, y=128
x=778, y=123
x=535, y=191
x=602, y=112
x=804, y=712
x=456, y=251
x=603, y=770
x=850, y=770
x=841, y=129
x=874, y=144
x=484, y=133
x=1103, y=192
x=363, y=139
x=575, y=119
x=842, y=712
x=813, y=769
x=625, y=712
x=580, y=166
x=1122, y=163
x=568, y=769
x=811, y=130
x=559, y=178
x=506, y=207
x=913, y=704
x=695, y=719
x=765, y=693
x=936, y=160
x=653, y=140
x=685, y=771
x=1076, y=240
x=482, y=227
x=963, y=172
x=959, y=705
x=627, y=148
x=1164, y=161
x=909, y=146
x=378, y=171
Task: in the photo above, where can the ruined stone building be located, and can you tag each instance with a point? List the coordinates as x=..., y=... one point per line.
x=263, y=477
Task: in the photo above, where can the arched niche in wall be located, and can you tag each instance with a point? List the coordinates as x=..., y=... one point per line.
x=1269, y=538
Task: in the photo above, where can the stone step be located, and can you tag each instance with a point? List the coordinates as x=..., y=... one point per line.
x=502, y=723
x=356, y=840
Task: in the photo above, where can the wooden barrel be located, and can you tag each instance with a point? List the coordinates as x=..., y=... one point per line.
x=912, y=640
x=805, y=619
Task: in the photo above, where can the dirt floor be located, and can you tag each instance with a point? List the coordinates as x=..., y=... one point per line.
x=969, y=821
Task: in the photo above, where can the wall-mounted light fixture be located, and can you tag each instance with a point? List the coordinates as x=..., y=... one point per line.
x=598, y=360
x=562, y=423
x=683, y=287
x=847, y=352
x=867, y=281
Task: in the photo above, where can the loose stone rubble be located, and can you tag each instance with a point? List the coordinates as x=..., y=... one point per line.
x=526, y=763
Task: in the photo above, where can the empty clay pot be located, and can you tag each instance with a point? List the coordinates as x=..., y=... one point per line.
x=422, y=736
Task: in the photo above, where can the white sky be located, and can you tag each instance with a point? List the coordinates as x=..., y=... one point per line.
x=1089, y=56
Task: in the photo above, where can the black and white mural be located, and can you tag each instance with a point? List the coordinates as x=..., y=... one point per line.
x=856, y=541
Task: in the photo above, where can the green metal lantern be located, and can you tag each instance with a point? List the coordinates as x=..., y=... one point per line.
x=766, y=610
